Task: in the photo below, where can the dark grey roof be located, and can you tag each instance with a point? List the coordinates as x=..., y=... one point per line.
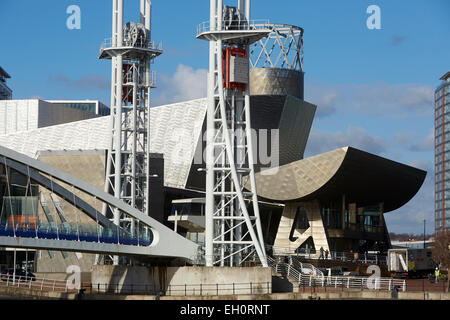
x=445, y=76
x=4, y=73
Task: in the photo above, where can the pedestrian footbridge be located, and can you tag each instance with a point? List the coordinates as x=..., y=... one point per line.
x=20, y=229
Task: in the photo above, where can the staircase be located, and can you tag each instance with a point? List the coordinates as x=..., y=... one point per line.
x=296, y=270
x=306, y=268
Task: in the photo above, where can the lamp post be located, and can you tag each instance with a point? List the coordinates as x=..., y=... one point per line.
x=424, y=224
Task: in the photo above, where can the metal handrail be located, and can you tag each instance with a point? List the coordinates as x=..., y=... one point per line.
x=375, y=283
x=312, y=280
x=333, y=255
x=152, y=45
x=53, y=285
x=239, y=26
x=39, y=284
x=129, y=78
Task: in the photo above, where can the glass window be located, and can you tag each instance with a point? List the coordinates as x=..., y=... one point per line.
x=447, y=146
x=301, y=219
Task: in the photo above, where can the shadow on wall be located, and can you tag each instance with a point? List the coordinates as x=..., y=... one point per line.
x=131, y=280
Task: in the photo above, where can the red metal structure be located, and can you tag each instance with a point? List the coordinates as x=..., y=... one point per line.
x=227, y=53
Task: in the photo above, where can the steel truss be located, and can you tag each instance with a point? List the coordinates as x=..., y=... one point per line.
x=233, y=231
x=282, y=48
x=131, y=52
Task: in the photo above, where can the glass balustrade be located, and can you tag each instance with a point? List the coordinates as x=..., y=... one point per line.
x=76, y=232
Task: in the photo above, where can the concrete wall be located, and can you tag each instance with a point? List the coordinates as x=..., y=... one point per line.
x=23, y=293
x=316, y=230
x=88, y=166
x=180, y=281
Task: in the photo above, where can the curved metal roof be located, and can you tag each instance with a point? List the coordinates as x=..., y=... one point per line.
x=362, y=177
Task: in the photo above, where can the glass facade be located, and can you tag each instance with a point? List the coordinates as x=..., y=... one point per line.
x=88, y=107
x=332, y=214
x=442, y=155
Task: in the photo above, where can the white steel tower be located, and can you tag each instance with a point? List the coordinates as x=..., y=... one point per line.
x=233, y=228
x=131, y=52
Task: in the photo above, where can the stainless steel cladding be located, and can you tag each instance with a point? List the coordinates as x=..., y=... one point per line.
x=277, y=81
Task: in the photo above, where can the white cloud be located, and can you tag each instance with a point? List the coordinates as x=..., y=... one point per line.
x=326, y=100
x=185, y=84
x=392, y=100
x=377, y=99
x=426, y=144
x=323, y=141
x=409, y=218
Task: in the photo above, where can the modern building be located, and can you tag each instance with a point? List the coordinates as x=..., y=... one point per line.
x=5, y=91
x=336, y=200
x=31, y=114
x=442, y=154
x=414, y=244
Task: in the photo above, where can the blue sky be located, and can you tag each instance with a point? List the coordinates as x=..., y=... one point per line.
x=373, y=88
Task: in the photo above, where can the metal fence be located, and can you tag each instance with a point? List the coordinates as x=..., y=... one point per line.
x=48, y=285
x=37, y=284
x=427, y=285
x=184, y=289
x=363, y=258
x=306, y=282
x=337, y=282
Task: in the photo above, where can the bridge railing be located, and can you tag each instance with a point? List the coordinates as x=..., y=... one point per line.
x=74, y=232
x=338, y=282
x=201, y=289
x=37, y=284
x=366, y=258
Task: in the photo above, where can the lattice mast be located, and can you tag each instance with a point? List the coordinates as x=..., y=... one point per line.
x=233, y=228
x=131, y=52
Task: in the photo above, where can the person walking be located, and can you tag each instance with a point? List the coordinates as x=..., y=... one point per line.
x=321, y=253
x=436, y=274
x=326, y=254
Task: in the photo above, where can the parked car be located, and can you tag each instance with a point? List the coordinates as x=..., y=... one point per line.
x=326, y=271
x=350, y=273
x=338, y=271
x=21, y=275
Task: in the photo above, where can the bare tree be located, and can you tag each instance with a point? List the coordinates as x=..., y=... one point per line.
x=441, y=251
